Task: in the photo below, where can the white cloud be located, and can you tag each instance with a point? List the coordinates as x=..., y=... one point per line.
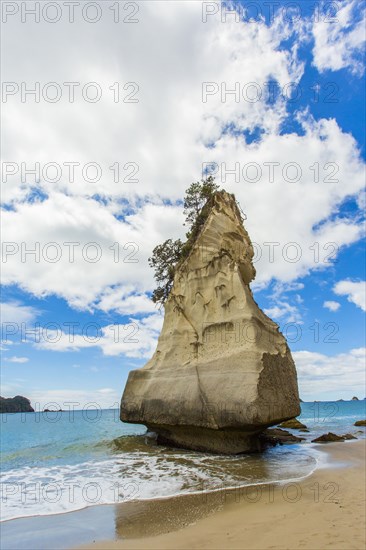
x=10, y=389
x=285, y=312
x=361, y=200
x=121, y=247
x=340, y=37
x=299, y=243
x=280, y=288
x=136, y=339
x=117, y=299
x=284, y=307
x=169, y=134
x=16, y=359
x=288, y=245
x=15, y=312
x=91, y=401
x=166, y=132
x=3, y=348
x=331, y=305
x=354, y=290
x=331, y=377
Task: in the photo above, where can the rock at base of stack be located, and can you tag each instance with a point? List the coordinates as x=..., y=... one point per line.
x=222, y=372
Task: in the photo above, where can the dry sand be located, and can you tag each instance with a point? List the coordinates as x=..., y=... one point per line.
x=325, y=510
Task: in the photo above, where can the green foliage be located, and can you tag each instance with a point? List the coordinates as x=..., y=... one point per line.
x=166, y=256
x=196, y=197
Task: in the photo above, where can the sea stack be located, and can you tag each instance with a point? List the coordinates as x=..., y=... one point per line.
x=222, y=372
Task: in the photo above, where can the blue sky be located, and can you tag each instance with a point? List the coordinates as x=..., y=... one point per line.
x=163, y=140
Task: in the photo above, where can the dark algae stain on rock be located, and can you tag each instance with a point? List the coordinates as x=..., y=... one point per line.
x=222, y=372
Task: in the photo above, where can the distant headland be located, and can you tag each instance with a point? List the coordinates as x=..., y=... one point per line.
x=15, y=404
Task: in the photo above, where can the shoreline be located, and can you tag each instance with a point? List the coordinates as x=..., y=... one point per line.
x=174, y=496
x=320, y=459
x=326, y=509
x=198, y=520
x=308, y=448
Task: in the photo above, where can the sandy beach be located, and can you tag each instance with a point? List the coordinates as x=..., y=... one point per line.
x=325, y=510
x=183, y=275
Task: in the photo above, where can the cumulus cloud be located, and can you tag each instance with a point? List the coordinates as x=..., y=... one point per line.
x=354, y=290
x=169, y=134
x=77, y=239
x=342, y=375
x=119, y=300
x=167, y=131
x=15, y=312
x=339, y=37
x=284, y=311
x=331, y=305
x=135, y=339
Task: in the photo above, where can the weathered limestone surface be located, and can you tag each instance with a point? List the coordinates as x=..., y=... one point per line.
x=222, y=372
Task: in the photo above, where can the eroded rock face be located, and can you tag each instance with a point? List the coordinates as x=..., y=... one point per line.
x=222, y=372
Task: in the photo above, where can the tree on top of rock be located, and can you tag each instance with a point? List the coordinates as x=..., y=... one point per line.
x=166, y=256
x=196, y=197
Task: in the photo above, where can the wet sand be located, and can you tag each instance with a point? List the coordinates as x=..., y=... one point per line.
x=325, y=510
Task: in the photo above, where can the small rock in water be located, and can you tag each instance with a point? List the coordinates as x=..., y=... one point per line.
x=348, y=436
x=293, y=424
x=276, y=436
x=360, y=423
x=328, y=438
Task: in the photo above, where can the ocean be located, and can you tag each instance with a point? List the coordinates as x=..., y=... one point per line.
x=58, y=462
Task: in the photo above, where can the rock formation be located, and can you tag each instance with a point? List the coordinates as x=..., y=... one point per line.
x=293, y=424
x=328, y=438
x=15, y=404
x=222, y=372
x=276, y=436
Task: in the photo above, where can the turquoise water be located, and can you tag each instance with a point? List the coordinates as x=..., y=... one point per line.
x=58, y=462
